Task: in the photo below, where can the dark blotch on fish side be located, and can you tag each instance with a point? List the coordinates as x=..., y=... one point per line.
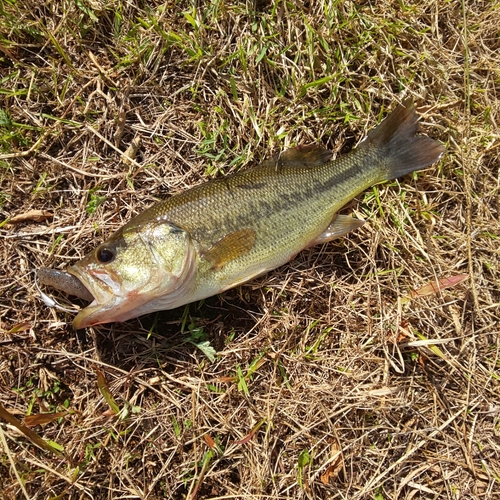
x=61, y=280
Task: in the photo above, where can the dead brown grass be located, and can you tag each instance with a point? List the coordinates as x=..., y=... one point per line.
x=327, y=382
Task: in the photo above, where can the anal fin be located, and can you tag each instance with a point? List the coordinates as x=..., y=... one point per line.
x=340, y=226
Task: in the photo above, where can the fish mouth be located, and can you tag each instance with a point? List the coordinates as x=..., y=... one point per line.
x=102, y=293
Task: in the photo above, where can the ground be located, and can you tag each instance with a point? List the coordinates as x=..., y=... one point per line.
x=368, y=367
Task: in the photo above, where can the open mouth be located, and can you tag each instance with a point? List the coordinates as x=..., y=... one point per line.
x=95, y=289
x=104, y=299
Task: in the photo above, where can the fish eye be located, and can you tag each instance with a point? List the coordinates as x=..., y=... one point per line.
x=105, y=255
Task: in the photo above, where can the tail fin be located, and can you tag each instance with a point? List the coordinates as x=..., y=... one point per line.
x=403, y=152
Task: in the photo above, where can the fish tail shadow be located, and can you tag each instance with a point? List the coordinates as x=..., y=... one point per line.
x=402, y=150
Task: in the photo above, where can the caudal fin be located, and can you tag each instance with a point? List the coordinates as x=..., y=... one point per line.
x=402, y=151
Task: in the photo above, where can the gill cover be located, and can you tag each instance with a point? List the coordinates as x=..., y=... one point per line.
x=140, y=269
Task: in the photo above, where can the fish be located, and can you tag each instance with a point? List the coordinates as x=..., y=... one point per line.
x=224, y=232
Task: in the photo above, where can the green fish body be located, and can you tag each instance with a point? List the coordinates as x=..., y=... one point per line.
x=227, y=231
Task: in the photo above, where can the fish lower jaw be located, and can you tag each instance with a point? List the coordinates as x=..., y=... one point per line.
x=120, y=308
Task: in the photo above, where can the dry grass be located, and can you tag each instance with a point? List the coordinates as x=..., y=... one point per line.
x=319, y=388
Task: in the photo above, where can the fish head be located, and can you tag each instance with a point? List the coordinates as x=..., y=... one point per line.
x=139, y=269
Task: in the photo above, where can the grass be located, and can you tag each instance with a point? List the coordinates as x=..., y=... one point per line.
x=365, y=368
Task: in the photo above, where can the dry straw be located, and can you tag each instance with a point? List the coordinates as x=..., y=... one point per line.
x=331, y=377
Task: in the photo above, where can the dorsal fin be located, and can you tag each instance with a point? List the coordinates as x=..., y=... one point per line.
x=308, y=155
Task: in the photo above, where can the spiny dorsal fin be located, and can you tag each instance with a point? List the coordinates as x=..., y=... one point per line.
x=309, y=155
x=230, y=247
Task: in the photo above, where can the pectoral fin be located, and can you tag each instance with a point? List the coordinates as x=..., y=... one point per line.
x=230, y=247
x=310, y=155
x=340, y=226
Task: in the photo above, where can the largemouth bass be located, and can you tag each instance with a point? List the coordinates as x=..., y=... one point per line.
x=227, y=231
